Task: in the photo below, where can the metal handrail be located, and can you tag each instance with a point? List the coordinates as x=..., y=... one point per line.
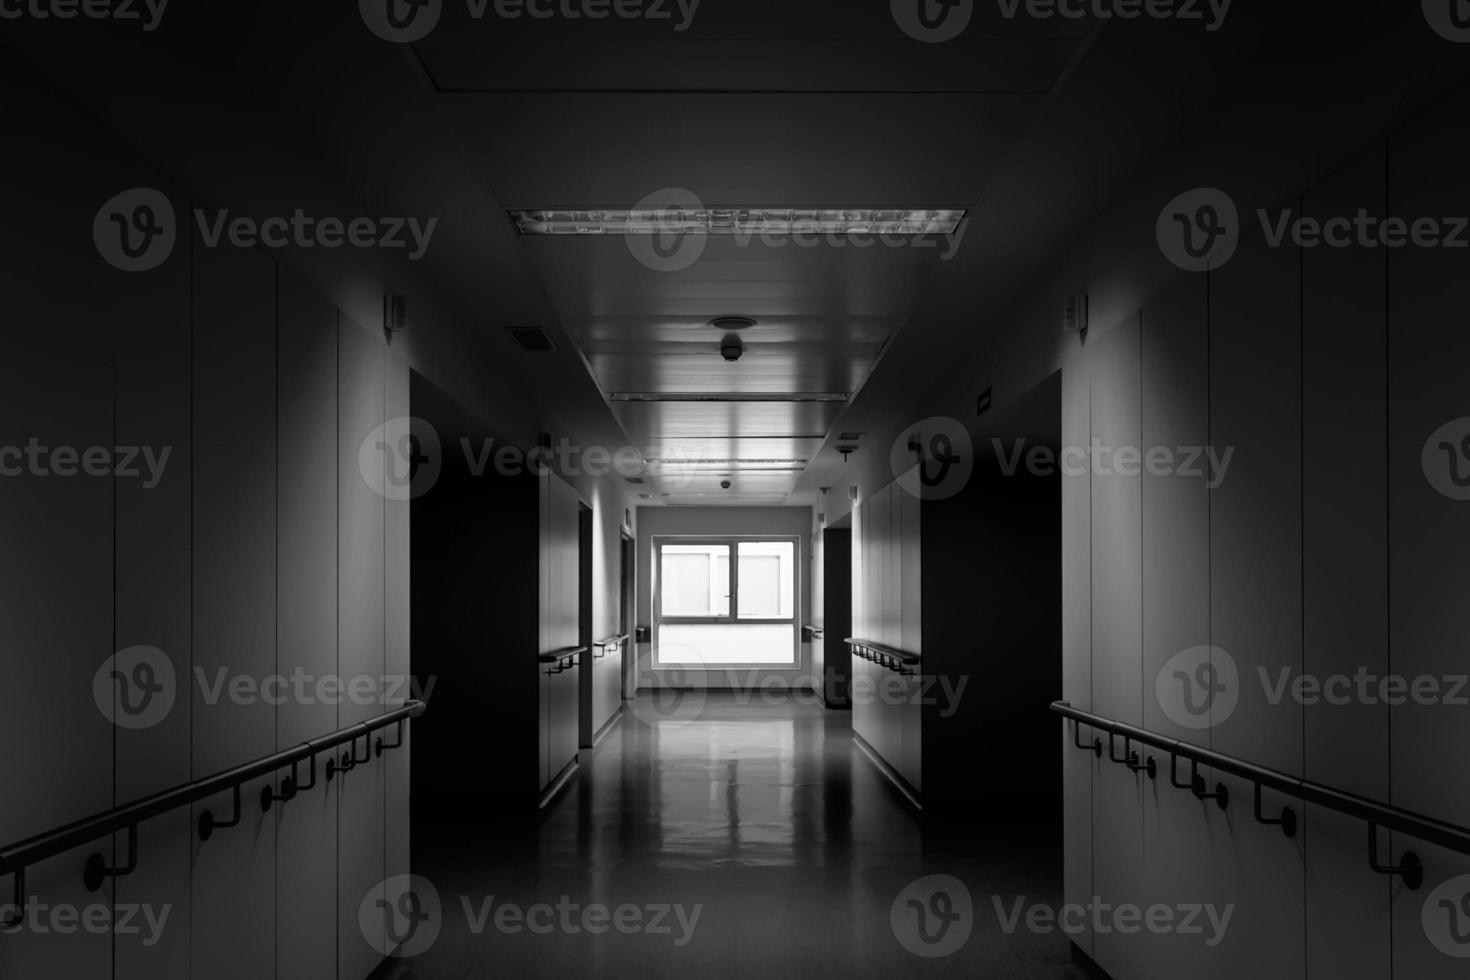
x=1377, y=815
x=564, y=659
x=15, y=859
x=884, y=656
x=609, y=643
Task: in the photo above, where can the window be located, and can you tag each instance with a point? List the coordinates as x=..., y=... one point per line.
x=708, y=617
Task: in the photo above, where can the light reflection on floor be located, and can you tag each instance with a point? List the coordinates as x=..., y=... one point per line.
x=764, y=818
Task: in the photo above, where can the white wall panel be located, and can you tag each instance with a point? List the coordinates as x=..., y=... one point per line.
x=360, y=638
x=1428, y=357
x=58, y=575
x=1079, y=768
x=234, y=598
x=306, y=602
x=1345, y=571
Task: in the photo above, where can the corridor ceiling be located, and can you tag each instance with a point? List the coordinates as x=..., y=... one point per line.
x=1034, y=126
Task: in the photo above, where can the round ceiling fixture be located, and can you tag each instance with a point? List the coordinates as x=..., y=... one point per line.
x=732, y=323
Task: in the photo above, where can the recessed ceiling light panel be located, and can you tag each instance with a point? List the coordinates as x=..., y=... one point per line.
x=741, y=221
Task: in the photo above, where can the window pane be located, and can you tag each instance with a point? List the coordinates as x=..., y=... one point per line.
x=767, y=580
x=695, y=579
x=715, y=646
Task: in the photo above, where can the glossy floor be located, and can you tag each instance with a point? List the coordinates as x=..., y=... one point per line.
x=749, y=840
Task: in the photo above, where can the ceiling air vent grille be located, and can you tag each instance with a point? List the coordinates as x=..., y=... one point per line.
x=532, y=339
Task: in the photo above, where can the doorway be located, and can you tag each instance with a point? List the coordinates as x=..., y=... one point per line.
x=587, y=724
x=832, y=658
x=627, y=599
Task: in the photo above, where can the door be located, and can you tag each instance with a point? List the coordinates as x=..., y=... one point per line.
x=627, y=598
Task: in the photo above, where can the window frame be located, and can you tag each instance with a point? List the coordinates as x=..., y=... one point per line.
x=732, y=541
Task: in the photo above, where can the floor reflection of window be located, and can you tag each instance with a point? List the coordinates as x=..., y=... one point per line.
x=727, y=793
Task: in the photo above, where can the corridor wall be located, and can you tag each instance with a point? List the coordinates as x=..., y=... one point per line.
x=1324, y=550
x=262, y=547
x=970, y=583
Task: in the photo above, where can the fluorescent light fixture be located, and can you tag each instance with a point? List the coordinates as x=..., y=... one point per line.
x=658, y=396
x=744, y=465
x=741, y=221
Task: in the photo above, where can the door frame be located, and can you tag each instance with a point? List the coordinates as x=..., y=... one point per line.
x=627, y=602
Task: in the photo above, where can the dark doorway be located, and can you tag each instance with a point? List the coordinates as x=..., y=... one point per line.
x=587, y=727
x=628, y=597
x=473, y=578
x=835, y=666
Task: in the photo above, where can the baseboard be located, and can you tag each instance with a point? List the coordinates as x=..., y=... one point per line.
x=894, y=777
x=558, y=784
x=617, y=716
